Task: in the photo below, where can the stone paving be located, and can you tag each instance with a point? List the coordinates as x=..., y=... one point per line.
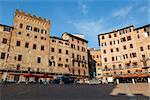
x=131, y=89
x=75, y=92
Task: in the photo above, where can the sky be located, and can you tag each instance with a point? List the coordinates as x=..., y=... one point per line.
x=87, y=17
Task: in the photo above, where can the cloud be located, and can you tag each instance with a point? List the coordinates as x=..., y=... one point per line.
x=122, y=12
x=90, y=29
x=83, y=7
x=144, y=9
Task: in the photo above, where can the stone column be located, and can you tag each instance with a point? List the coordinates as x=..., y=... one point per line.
x=148, y=79
x=133, y=81
x=117, y=81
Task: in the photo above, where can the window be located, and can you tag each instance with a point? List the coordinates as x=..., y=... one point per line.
x=141, y=48
x=19, y=57
x=110, y=42
x=4, y=40
x=148, y=47
x=126, y=55
x=103, y=37
x=73, y=71
x=52, y=57
x=42, y=38
x=3, y=55
x=120, y=66
x=123, y=39
x=114, y=42
x=116, y=58
x=59, y=59
x=78, y=41
x=26, y=45
x=53, y=41
x=124, y=47
x=59, y=50
x=71, y=45
x=115, y=35
x=109, y=36
x=83, y=58
x=118, y=41
x=121, y=32
x=72, y=55
x=138, y=36
x=29, y=27
x=111, y=50
x=129, y=29
x=82, y=42
x=52, y=50
x=117, y=49
x=134, y=54
x=19, y=33
x=78, y=48
x=131, y=45
x=78, y=64
x=104, y=51
x=43, y=31
x=114, y=67
x=7, y=29
x=113, y=58
x=128, y=71
x=72, y=39
x=42, y=47
x=79, y=72
x=84, y=72
x=106, y=68
x=18, y=43
x=34, y=46
x=39, y=60
x=60, y=42
x=105, y=59
x=67, y=52
x=73, y=62
x=36, y=29
x=28, y=35
x=103, y=44
x=129, y=38
x=35, y=37
x=97, y=56
x=143, y=56
x=78, y=57
x=66, y=60
x=148, y=33
x=21, y=25
x=18, y=67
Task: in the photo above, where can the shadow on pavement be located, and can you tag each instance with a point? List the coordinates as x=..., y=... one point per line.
x=63, y=92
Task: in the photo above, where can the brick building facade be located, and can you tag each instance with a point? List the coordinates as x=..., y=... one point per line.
x=28, y=52
x=126, y=53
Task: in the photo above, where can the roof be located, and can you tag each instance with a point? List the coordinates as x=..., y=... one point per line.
x=94, y=49
x=148, y=25
x=59, y=38
x=6, y=25
x=75, y=37
x=116, y=30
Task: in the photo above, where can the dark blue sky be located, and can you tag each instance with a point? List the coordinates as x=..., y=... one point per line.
x=89, y=17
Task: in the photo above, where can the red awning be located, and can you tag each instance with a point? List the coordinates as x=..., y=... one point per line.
x=37, y=75
x=132, y=75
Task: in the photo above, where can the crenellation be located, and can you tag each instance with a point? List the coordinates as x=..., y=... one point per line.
x=33, y=17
